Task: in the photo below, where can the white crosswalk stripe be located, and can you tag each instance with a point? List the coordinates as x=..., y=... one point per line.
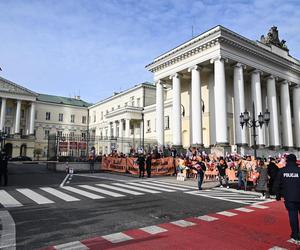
x=145, y=185
x=246, y=198
x=59, y=194
x=7, y=200
x=39, y=199
x=136, y=188
x=120, y=189
x=83, y=193
x=102, y=191
x=165, y=185
x=175, y=185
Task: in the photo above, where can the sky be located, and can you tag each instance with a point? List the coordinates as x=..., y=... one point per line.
x=93, y=48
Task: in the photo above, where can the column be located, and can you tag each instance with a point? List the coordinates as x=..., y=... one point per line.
x=115, y=129
x=220, y=102
x=18, y=117
x=239, y=103
x=2, y=117
x=196, y=108
x=127, y=128
x=109, y=131
x=212, y=123
x=121, y=134
x=296, y=106
x=160, y=113
x=287, y=140
x=272, y=107
x=176, y=111
x=256, y=97
x=32, y=118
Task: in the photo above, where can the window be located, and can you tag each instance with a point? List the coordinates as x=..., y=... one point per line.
x=119, y=106
x=60, y=117
x=112, y=108
x=101, y=115
x=47, y=133
x=48, y=115
x=106, y=111
x=138, y=102
x=72, y=118
x=7, y=130
x=84, y=119
x=59, y=133
x=21, y=132
x=22, y=113
x=167, y=123
x=83, y=135
x=94, y=115
x=148, y=126
x=72, y=134
x=9, y=110
x=132, y=101
x=126, y=104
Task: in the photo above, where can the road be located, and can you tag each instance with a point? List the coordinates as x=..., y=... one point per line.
x=46, y=214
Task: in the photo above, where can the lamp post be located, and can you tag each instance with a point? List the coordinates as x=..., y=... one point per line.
x=250, y=122
x=3, y=136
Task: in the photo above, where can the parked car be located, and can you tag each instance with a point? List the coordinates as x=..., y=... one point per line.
x=20, y=158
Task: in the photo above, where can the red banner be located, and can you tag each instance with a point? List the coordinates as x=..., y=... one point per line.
x=82, y=145
x=73, y=145
x=63, y=146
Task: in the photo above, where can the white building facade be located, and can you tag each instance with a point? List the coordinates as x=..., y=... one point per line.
x=218, y=75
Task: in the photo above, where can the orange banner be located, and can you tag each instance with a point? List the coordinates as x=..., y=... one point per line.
x=162, y=166
x=114, y=164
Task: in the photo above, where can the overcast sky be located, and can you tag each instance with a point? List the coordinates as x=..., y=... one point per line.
x=94, y=48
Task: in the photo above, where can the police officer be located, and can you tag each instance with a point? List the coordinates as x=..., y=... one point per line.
x=287, y=184
x=3, y=167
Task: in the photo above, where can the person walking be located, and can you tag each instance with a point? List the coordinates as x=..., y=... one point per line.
x=3, y=167
x=141, y=163
x=222, y=166
x=148, y=165
x=262, y=181
x=287, y=185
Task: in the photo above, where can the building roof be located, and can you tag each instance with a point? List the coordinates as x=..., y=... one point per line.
x=62, y=100
x=117, y=94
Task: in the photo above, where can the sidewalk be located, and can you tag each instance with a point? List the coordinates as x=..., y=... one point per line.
x=253, y=227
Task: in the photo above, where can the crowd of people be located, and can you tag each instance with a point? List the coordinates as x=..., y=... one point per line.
x=194, y=163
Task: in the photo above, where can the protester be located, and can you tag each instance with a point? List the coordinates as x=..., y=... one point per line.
x=262, y=181
x=201, y=168
x=141, y=163
x=3, y=167
x=222, y=167
x=287, y=185
x=148, y=165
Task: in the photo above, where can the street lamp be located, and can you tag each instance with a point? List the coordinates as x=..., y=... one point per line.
x=250, y=122
x=3, y=136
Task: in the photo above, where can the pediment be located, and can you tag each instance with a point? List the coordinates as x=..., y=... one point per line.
x=7, y=86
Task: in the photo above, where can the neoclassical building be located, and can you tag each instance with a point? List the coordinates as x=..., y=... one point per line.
x=28, y=118
x=216, y=76
x=201, y=88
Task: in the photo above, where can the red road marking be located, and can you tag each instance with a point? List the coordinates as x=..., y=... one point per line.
x=260, y=229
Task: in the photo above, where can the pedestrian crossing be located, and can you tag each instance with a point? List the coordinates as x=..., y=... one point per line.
x=48, y=195
x=247, y=198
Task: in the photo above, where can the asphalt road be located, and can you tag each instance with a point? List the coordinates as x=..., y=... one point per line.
x=41, y=225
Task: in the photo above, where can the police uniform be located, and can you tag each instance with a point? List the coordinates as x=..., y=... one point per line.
x=287, y=185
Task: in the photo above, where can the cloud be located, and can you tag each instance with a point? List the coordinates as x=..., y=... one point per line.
x=97, y=47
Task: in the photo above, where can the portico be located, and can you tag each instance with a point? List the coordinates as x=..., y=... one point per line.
x=228, y=73
x=17, y=117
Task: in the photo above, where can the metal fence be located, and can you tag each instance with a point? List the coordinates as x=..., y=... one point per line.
x=67, y=147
